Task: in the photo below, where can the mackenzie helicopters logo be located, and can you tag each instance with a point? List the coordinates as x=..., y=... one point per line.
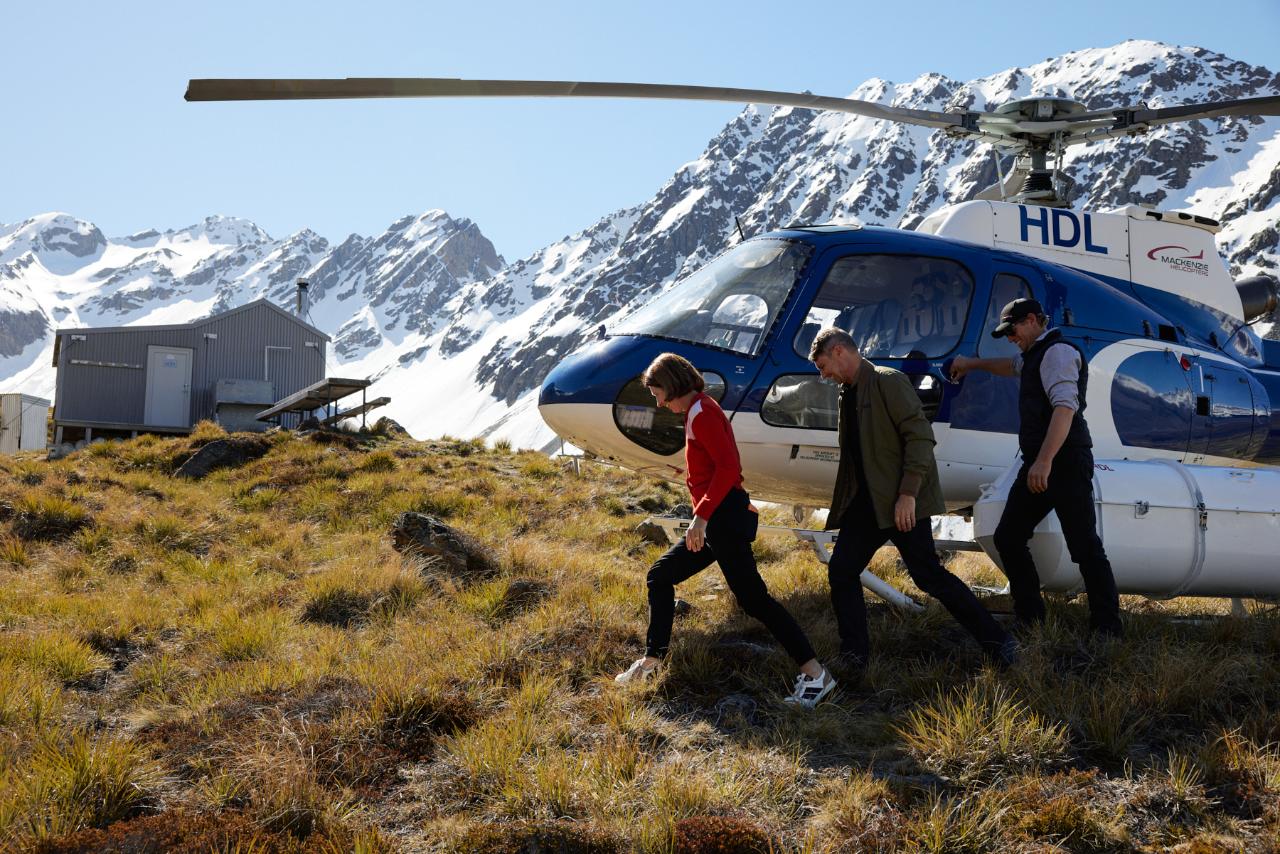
x=1180, y=258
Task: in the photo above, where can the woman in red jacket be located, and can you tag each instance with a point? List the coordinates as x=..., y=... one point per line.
x=724, y=525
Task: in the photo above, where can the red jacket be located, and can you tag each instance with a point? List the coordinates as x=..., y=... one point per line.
x=712, y=465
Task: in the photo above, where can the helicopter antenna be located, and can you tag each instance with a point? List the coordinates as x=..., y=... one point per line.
x=738, y=223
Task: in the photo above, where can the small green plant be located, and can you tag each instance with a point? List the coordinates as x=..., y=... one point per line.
x=540, y=467
x=157, y=675
x=92, y=540
x=168, y=531
x=26, y=698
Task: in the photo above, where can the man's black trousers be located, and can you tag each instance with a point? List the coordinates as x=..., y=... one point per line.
x=1070, y=495
x=730, y=531
x=859, y=538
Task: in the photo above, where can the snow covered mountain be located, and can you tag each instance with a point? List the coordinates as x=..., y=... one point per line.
x=460, y=340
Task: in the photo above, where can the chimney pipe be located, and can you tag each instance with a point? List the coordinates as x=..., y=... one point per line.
x=303, y=284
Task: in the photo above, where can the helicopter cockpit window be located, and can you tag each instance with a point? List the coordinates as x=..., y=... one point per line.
x=1005, y=288
x=638, y=417
x=894, y=306
x=730, y=303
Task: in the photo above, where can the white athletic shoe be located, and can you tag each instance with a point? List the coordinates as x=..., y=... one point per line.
x=637, y=672
x=809, y=691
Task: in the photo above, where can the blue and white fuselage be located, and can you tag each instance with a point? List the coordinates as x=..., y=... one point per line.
x=1174, y=371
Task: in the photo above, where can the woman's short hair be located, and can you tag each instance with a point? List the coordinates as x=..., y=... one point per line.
x=674, y=375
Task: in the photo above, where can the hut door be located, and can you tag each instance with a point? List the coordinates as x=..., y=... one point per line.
x=168, y=387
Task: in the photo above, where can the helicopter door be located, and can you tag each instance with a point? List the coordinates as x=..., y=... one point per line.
x=986, y=402
x=1223, y=424
x=897, y=306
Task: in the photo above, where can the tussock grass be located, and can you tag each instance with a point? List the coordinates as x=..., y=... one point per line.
x=46, y=516
x=57, y=654
x=980, y=731
x=244, y=637
x=28, y=702
x=13, y=552
x=959, y=825
x=73, y=783
x=255, y=646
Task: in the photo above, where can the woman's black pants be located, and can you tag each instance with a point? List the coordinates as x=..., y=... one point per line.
x=730, y=532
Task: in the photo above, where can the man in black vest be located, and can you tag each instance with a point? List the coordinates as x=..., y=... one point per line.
x=1057, y=464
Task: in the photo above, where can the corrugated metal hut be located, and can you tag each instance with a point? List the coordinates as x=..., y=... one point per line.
x=123, y=380
x=24, y=423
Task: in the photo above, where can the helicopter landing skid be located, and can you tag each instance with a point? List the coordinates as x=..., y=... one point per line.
x=822, y=542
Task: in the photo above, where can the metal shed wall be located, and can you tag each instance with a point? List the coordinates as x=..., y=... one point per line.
x=103, y=378
x=240, y=352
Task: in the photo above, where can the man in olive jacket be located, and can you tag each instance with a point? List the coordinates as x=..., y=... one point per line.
x=886, y=489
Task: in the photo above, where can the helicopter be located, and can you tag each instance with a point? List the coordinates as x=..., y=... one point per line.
x=1184, y=397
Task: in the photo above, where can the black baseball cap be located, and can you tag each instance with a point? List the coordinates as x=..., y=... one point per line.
x=1014, y=312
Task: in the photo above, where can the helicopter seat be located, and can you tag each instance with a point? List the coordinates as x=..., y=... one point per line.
x=874, y=327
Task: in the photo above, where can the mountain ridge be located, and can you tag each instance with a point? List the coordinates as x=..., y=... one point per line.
x=432, y=311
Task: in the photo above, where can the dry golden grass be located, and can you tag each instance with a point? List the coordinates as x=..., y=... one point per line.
x=246, y=663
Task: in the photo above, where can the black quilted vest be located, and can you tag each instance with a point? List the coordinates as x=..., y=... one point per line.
x=1034, y=408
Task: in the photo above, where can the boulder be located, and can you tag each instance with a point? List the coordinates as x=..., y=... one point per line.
x=440, y=546
x=651, y=532
x=390, y=428
x=223, y=453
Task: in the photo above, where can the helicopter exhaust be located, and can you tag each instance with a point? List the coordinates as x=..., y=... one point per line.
x=1258, y=295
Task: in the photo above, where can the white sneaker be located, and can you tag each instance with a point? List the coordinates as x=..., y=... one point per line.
x=637, y=672
x=810, y=690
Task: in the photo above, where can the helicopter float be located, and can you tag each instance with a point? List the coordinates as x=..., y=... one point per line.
x=1184, y=397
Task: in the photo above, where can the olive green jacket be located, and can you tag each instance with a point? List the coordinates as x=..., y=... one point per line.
x=897, y=446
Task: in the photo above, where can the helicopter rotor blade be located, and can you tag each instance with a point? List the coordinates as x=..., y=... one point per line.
x=438, y=87
x=1265, y=106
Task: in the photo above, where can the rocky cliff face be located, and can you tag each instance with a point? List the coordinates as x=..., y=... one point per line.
x=430, y=306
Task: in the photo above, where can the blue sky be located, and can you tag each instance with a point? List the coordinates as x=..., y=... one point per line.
x=94, y=123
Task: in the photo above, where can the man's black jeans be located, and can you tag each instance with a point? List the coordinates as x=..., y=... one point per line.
x=1070, y=495
x=859, y=538
x=730, y=531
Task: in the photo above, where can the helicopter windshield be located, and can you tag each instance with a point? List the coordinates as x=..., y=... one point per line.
x=731, y=303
